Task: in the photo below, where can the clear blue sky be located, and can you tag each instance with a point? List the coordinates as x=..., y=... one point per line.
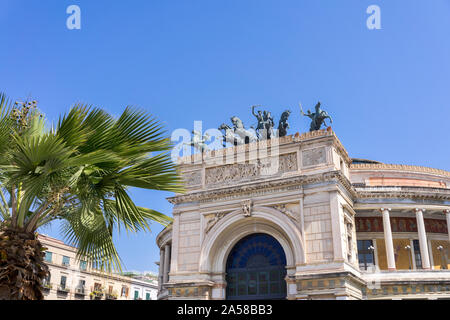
x=388, y=90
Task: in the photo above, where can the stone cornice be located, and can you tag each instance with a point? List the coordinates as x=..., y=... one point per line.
x=404, y=193
x=259, y=187
x=399, y=167
x=325, y=133
x=296, y=182
x=164, y=236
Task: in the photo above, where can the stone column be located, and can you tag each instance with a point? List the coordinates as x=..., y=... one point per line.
x=422, y=239
x=388, y=239
x=166, y=263
x=161, y=268
x=447, y=214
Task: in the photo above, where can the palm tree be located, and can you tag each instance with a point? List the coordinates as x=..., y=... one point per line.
x=78, y=171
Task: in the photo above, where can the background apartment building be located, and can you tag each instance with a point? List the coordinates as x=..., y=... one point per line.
x=72, y=279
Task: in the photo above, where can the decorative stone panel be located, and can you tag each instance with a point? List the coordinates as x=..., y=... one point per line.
x=192, y=178
x=241, y=172
x=314, y=157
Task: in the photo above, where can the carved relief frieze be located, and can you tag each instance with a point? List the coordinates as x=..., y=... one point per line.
x=314, y=157
x=239, y=172
x=263, y=188
x=192, y=178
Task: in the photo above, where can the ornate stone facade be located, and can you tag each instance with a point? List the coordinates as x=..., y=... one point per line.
x=260, y=168
x=347, y=231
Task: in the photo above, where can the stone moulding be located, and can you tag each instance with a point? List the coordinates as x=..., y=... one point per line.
x=398, y=167
x=239, y=191
x=406, y=193
x=296, y=182
x=164, y=236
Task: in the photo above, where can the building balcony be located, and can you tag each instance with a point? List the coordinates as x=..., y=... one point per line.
x=63, y=289
x=96, y=295
x=110, y=296
x=80, y=291
x=47, y=286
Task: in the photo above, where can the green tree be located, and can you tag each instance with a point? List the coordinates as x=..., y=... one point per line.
x=77, y=171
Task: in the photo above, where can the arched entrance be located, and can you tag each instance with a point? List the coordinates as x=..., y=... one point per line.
x=256, y=269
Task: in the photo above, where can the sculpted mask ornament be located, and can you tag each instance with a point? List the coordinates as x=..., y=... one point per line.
x=247, y=208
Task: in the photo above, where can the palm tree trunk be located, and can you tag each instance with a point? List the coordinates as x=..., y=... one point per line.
x=22, y=266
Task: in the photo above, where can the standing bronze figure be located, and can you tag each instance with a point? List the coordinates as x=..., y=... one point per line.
x=283, y=125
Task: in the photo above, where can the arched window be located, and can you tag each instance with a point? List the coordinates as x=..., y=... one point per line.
x=256, y=269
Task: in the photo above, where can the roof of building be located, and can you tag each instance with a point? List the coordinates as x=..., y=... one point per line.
x=357, y=161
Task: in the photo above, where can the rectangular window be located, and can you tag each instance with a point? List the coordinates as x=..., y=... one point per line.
x=48, y=256
x=147, y=296
x=365, y=254
x=65, y=261
x=83, y=265
x=417, y=255
x=124, y=292
x=63, y=282
x=47, y=279
x=136, y=295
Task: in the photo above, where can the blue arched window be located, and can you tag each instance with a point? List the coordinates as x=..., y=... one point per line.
x=256, y=268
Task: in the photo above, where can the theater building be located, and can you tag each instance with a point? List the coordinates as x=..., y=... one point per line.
x=320, y=226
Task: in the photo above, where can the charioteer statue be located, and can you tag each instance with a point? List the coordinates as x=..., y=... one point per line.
x=198, y=141
x=264, y=129
x=317, y=118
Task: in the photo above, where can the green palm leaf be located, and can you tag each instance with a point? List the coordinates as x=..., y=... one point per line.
x=79, y=171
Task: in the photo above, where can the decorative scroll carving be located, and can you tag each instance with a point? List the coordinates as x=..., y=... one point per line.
x=249, y=171
x=212, y=222
x=282, y=208
x=247, y=207
x=314, y=157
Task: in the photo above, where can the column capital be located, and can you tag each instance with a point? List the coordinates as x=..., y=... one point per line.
x=385, y=209
x=417, y=210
